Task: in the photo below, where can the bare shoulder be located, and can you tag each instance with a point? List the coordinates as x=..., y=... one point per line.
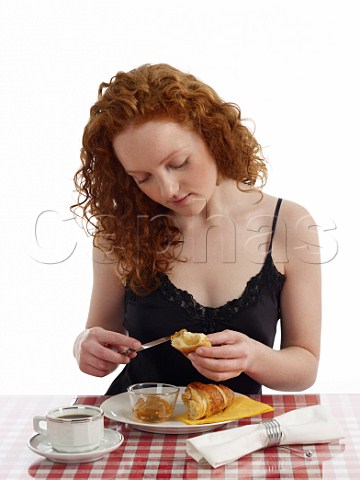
x=290, y=212
x=289, y=209
x=298, y=220
x=294, y=211
x=302, y=239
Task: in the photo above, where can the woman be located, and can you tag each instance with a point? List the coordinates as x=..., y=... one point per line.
x=171, y=180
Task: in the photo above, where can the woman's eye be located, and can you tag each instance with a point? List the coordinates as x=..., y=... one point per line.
x=140, y=181
x=176, y=167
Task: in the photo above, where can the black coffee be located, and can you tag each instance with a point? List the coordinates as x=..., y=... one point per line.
x=72, y=416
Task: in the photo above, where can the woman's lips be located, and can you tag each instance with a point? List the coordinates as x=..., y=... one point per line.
x=182, y=200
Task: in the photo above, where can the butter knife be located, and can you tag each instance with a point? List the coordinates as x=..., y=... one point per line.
x=147, y=345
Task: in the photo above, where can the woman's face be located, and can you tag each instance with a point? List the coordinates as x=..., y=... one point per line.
x=170, y=163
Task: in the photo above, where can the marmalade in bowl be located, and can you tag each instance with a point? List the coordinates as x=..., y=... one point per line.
x=152, y=409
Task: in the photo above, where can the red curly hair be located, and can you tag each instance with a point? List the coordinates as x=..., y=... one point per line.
x=109, y=198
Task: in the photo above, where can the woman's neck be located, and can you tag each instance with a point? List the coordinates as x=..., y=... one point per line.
x=227, y=201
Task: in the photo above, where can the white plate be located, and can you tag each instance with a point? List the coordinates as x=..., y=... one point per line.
x=118, y=408
x=111, y=441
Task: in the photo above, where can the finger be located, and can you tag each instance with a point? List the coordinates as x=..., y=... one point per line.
x=104, y=359
x=128, y=352
x=223, y=351
x=126, y=343
x=106, y=354
x=217, y=365
x=103, y=365
x=219, y=338
x=96, y=366
x=218, y=375
x=100, y=366
x=115, y=339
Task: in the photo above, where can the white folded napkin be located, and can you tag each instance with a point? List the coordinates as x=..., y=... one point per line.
x=306, y=425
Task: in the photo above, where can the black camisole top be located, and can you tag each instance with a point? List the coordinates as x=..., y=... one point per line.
x=168, y=309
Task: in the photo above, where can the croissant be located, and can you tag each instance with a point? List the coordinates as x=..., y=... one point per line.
x=203, y=400
x=187, y=342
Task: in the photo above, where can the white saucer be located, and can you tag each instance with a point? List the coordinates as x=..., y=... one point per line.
x=111, y=441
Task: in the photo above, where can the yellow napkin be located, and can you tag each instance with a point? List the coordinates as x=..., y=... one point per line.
x=241, y=407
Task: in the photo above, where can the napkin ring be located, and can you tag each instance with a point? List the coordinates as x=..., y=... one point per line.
x=274, y=432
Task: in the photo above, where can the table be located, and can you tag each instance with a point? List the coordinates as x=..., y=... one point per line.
x=146, y=455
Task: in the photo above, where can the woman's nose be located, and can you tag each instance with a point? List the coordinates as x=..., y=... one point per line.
x=168, y=188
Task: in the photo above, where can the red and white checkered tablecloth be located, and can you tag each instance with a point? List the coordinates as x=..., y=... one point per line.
x=155, y=456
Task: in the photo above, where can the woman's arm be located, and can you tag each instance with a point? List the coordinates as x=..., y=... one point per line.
x=97, y=349
x=294, y=366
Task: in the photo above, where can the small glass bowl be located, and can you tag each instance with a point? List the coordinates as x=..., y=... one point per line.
x=153, y=402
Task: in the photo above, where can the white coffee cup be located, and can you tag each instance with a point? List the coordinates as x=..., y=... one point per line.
x=75, y=428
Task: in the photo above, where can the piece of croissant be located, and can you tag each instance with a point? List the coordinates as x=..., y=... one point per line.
x=187, y=342
x=203, y=400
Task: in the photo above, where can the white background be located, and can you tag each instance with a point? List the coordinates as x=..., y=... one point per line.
x=292, y=68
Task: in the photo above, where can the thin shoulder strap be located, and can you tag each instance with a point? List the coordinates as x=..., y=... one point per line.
x=273, y=227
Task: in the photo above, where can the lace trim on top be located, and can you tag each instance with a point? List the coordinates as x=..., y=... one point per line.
x=269, y=275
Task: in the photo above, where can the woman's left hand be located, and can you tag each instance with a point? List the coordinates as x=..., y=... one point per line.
x=229, y=356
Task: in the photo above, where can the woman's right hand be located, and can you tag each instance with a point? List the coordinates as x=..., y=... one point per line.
x=98, y=351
